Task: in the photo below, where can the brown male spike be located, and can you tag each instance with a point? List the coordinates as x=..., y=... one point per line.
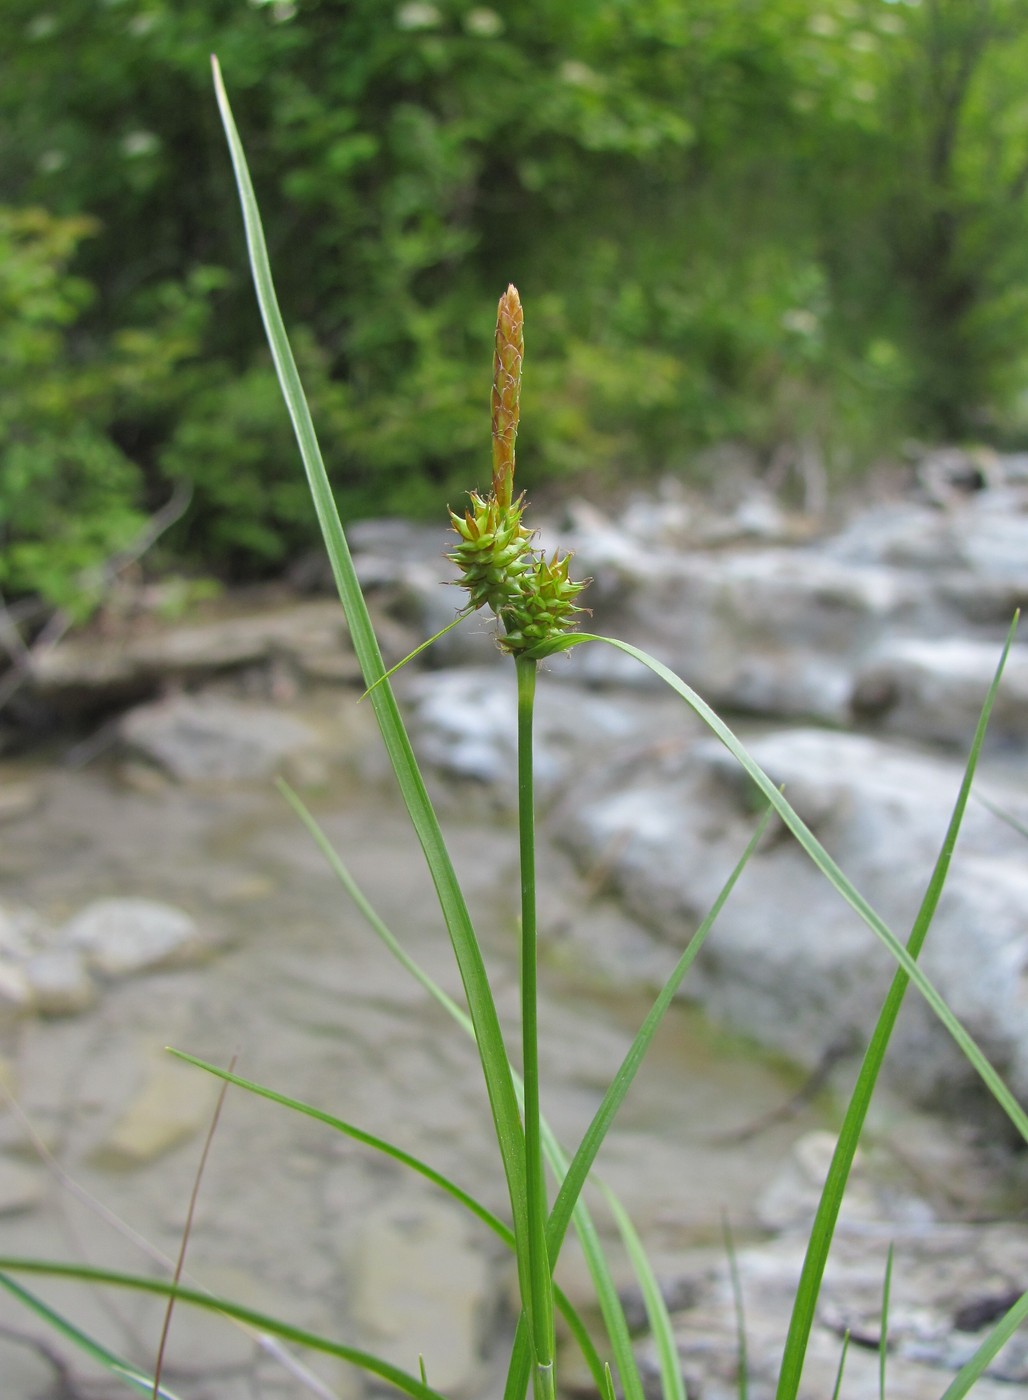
x=506, y=396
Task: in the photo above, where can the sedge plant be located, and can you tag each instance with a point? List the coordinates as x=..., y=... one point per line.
x=535, y=602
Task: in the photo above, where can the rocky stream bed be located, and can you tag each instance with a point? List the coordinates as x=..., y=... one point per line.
x=155, y=890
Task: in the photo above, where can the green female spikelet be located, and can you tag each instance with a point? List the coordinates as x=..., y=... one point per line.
x=533, y=598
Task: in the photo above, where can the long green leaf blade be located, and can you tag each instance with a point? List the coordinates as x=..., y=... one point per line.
x=819, y=1244
x=824, y=862
x=488, y=1036
x=406, y=1159
x=119, y=1368
x=364, y=1360
x=975, y=1368
x=612, y=1100
x=672, y=1387
x=518, y=1376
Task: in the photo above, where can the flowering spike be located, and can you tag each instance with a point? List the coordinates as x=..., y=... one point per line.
x=532, y=596
x=506, y=395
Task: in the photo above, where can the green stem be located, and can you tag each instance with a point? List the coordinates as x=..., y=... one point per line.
x=540, y=1304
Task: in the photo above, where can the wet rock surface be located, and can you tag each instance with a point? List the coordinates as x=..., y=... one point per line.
x=161, y=894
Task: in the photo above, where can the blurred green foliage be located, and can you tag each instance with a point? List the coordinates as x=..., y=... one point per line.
x=788, y=222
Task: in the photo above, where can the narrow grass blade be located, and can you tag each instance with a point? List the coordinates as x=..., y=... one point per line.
x=415, y=1164
x=828, y=867
x=883, y=1332
x=974, y=1369
x=622, y=1081
x=488, y=1036
x=518, y=1375
x=120, y=1369
x=809, y=1287
x=365, y=1361
x=742, y=1350
x=567, y=1204
x=672, y=1387
x=180, y=1262
x=842, y=1366
x=366, y=908
x=599, y=1271
x=377, y=1144
x=1004, y=816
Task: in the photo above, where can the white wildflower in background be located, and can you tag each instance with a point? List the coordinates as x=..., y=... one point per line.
x=417, y=14
x=135, y=144
x=483, y=23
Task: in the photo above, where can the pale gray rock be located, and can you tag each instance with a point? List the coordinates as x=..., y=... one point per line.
x=933, y=690
x=22, y=931
x=465, y=724
x=22, y=1187
x=791, y=1199
x=209, y=738
x=80, y=669
x=173, y=1104
x=15, y=990
x=22, y=934
x=421, y=1288
x=18, y=798
x=789, y=962
x=949, y=1283
x=59, y=983
x=119, y=937
x=768, y=631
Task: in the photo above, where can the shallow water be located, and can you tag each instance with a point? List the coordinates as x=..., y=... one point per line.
x=310, y=1004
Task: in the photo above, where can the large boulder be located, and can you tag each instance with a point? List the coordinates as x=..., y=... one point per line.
x=122, y=936
x=789, y=962
x=96, y=670
x=933, y=689
x=464, y=723
x=212, y=738
x=949, y=1284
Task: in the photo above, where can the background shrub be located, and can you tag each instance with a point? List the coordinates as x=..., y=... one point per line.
x=787, y=222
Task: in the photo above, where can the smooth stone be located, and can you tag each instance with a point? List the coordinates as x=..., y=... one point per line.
x=18, y=798
x=15, y=989
x=933, y=690
x=81, y=668
x=207, y=738
x=419, y=1288
x=174, y=1104
x=22, y=931
x=788, y=962
x=947, y=1281
x=60, y=983
x=120, y=937
x=22, y=1188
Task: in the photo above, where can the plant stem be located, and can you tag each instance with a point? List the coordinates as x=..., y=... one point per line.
x=540, y=1304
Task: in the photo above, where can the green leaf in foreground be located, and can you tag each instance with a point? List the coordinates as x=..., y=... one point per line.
x=821, y=1234
x=828, y=867
x=974, y=1369
x=366, y=1361
x=488, y=1036
x=412, y=1163
x=567, y=1206
x=120, y=1369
